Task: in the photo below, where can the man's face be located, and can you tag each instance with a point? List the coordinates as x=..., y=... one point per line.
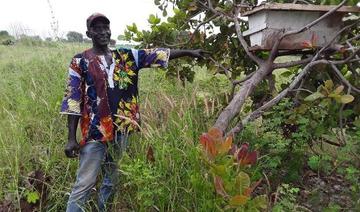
x=99, y=32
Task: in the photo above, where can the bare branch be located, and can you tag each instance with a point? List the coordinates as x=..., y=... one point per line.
x=222, y=67
x=274, y=49
x=353, y=38
x=302, y=89
x=238, y=100
x=291, y=63
x=343, y=79
x=295, y=52
x=236, y=82
x=242, y=40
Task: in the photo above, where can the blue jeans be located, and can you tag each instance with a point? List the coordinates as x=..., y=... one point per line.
x=97, y=158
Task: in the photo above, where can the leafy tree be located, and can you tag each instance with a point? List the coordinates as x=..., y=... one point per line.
x=217, y=26
x=73, y=36
x=4, y=33
x=6, y=38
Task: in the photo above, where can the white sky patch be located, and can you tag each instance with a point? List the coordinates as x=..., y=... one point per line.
x=34, y=16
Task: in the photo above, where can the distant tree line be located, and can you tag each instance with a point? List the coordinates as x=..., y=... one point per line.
x=6, y=38
x=71, y=36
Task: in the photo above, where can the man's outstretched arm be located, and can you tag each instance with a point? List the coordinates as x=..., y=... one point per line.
x=196, y=53
x=72, y=147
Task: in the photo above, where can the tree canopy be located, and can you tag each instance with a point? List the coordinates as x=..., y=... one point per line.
x=73, y=36
x=218, y=25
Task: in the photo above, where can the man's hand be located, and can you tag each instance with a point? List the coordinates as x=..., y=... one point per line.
x=195, y=53
x=72, y=149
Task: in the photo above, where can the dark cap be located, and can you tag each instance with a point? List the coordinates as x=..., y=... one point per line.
x=94, y=16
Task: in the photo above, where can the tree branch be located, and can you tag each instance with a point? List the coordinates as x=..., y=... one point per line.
x=193, y=34
x=343, y=79
x=242, y=40
x=236, y=82
x=211, y=8
x=222, y=67
x=258, y=112
x=291, y=63
x=308, y=26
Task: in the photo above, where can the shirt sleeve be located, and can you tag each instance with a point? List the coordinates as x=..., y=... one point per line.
x=73, y=92
x=152, y=58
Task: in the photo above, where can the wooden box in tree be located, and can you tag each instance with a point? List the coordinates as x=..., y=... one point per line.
x=267, y=20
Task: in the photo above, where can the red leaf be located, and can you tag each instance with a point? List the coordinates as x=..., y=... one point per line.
x=306, y=44
x=249, y=159
x=208, y=144
x=242, y=151
x=150, y=155
x=215, y=133
x=219, y=186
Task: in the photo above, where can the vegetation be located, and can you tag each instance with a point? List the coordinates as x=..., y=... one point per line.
x=74, y=37
x=299, y=154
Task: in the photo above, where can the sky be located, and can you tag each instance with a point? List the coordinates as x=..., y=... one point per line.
x=34, y=16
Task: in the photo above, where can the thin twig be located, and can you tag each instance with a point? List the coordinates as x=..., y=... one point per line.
x=292, y=63
x=308, y=26
x=302, y=89
x=236, y=82
x=222, y=67
x=343, y=79
x=193, y=34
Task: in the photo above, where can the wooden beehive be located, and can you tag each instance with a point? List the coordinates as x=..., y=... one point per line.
x=267, y=20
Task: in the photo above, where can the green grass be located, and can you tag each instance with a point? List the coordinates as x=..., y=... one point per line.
x=33, y=134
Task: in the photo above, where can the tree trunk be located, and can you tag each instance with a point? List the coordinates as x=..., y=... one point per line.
x=246, y=89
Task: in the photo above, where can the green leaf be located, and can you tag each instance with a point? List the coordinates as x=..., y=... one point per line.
x=347, y=98
x=314, y=97
x=329, y=84
x=242, y=182
x=238, y=200
x=32, y=197
x=286, y=74
x=153, y=19
x=339, y=89
x=219, y=170
x=132, y=28
x=121, y=37
x=314, y=162
x=336, y=97
x=192, y=6
x=259, y=202
x=164, y=13
x=357, y=122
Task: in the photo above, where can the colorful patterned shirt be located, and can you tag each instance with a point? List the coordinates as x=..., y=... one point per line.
x=106, y=96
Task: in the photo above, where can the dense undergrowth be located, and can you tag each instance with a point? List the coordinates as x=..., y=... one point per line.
x=164, y=168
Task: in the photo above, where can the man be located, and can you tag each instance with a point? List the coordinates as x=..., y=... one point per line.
x=102, y=93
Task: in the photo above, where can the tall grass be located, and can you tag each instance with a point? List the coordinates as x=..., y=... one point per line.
x=33, y=134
